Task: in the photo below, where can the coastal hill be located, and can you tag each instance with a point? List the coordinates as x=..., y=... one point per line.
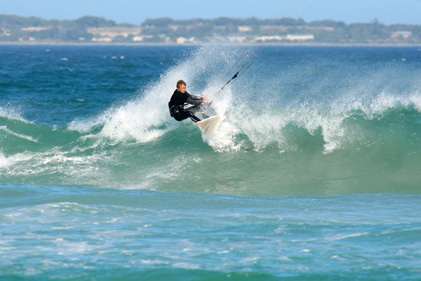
x=88, y=29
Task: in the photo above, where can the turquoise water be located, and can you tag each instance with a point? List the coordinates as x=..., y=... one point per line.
x=313, y=173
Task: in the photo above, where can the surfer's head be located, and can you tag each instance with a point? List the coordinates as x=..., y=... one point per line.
x=181, y=86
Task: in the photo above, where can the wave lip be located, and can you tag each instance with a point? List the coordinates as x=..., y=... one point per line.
x=10, y=132
x=11, y=114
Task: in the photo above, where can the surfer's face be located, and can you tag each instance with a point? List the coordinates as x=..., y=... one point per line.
x=182, y=89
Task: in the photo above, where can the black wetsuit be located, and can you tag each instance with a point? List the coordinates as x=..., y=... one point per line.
x=176, y=106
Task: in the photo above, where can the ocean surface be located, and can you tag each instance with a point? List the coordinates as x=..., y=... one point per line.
x=314, y=172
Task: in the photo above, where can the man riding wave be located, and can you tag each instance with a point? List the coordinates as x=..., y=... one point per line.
x=180, y=99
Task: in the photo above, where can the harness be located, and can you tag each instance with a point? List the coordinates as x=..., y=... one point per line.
x=175, y=109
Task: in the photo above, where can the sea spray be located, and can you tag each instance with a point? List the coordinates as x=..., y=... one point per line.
x=147, y=118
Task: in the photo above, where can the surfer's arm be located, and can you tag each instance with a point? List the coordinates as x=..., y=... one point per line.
x=192, y=99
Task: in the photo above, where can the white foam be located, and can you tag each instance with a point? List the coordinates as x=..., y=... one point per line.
x=347, y=236
x=6, y=162
x=415, y=99
x=11, y=113
x=266, y=128
x=142, y=120
x=71, y=169
x=146, y=118
x=29, y=138
x=185, y=265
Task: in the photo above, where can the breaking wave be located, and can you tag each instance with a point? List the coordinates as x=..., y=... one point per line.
x=288, y=126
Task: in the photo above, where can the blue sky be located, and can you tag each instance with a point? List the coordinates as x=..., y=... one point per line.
x=136, y=11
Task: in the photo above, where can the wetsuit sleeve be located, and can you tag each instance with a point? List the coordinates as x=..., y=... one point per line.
x=192, y=99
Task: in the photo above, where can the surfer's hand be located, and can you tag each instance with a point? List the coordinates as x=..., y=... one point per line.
x=205, y=100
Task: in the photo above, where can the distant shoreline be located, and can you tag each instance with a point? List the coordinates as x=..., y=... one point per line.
x=197, y=45
x=99, y=31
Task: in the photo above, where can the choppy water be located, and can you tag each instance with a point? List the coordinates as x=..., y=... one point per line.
x=314, y=172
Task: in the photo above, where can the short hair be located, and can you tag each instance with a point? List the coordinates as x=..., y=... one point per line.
x=181, y=82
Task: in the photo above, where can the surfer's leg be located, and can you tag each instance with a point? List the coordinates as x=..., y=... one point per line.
x=181, y=115
x=184, y=114
x=199, y=108
x=194, y=118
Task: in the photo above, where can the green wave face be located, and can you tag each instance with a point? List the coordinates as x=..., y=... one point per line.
x=358, y=154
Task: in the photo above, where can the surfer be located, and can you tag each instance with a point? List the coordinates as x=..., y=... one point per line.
x=180, y=99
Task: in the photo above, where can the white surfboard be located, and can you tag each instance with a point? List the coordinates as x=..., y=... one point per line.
x=207, y=126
